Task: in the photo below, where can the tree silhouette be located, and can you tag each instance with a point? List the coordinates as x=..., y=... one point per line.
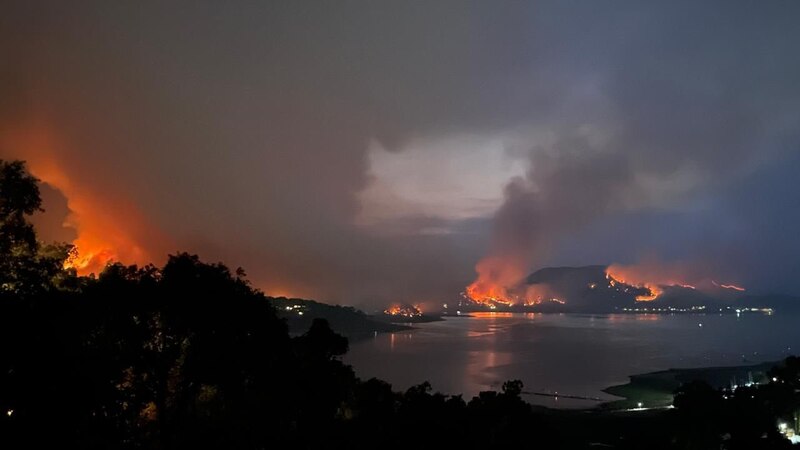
x=26, y=267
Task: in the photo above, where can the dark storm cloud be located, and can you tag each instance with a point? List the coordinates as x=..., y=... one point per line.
x=241, y=131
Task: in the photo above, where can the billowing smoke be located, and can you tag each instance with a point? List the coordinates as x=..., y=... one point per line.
x=245, y=134
x=570, y=183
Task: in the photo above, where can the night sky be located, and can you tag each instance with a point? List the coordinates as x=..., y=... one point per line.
x=367, y=152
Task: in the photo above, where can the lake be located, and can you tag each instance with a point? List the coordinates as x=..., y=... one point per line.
x=570, y=354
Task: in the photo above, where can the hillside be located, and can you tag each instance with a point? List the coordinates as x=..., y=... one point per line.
x=345, y=320
x=587, y=289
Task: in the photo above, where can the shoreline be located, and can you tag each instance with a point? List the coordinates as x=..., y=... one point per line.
x=656, y=389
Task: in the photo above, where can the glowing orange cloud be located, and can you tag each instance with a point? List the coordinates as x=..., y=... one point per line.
x=109, y=227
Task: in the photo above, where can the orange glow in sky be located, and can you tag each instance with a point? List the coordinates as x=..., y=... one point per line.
x=106, y=226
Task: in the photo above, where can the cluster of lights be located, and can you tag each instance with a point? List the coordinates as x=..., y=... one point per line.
x=763, y=310
x=296, y=308
x=667, y=309
x=783, y=427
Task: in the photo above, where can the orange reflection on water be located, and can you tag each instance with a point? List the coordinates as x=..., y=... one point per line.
x=647, y=317
x=481, y=371
x=491, y=315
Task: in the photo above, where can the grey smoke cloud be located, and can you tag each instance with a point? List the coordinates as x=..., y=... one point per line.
x=243, y=132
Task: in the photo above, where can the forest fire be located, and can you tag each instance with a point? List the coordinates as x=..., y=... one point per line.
x=108, y=225
x=495, y=277
x=488, y=294
x=655, y=278
x=403, y=310
x=729, y=286
x=615, y=277
x=86, y=262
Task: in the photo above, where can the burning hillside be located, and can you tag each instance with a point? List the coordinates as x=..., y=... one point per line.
x=403, y=311
x=108, y=224
x=593, y=289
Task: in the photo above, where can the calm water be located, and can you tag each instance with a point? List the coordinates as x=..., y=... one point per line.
x=566, y=353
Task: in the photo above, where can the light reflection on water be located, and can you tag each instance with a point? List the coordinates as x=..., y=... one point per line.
x=566, y=353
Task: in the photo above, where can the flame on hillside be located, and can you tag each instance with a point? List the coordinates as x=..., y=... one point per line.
x=108, y=227
x=496, y=276
x=617, y=276
x=403, y=310
x=656, y=277
x=729, y=286
x=500, y=281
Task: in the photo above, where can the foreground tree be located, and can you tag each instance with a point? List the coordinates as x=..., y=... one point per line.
x=26, y=266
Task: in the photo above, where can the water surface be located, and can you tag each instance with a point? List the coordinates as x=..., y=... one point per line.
x=567, y=353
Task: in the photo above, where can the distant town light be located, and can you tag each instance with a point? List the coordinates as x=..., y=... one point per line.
x=639, y=405
x=9, y=412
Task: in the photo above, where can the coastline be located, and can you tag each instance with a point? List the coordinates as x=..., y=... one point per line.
x=656, y=389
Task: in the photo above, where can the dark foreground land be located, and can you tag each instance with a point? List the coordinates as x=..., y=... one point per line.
x=657, y=389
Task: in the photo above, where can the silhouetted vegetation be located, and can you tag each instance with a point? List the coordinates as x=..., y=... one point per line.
x=744, y=417
x=190, y=355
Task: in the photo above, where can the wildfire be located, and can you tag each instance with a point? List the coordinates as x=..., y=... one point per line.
x=655, y=277
x=655, y=291
x=109, y=227
x=497, y=277
x=403, y=310
x=85, y=262
x=729, y=286
x=615, y=276
x=490, y=294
